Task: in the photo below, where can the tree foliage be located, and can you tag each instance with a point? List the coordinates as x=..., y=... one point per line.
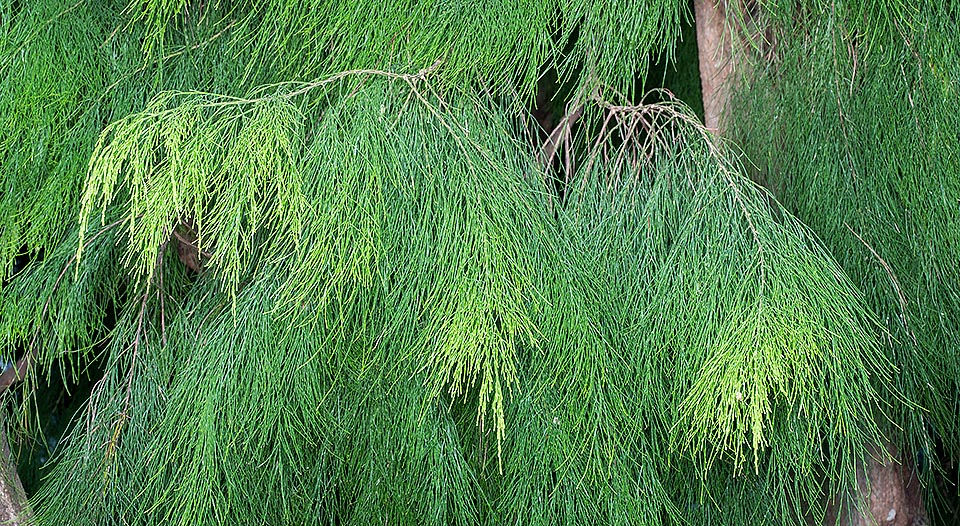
x=329, y=279
x=875, y=128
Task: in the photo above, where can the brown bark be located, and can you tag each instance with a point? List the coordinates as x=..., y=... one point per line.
x=716, y=59
x=14, y=509
x=187, y=241
x=889, y=494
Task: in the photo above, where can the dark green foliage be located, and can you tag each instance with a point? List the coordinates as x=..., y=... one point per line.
x=861, y=141
x=395, y=316
x=865, y=151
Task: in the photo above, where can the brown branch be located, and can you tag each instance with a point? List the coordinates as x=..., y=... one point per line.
x=409, y=78
x=163, y=309
x=561, y=132
x=728, y=32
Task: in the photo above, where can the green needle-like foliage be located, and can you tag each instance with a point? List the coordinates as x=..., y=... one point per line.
x=229, y=167
x=53, y=76
x=328, y=280
x=865, y=151
x=503, y=45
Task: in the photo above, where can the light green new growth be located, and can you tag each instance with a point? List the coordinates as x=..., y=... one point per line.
x=399, y=312
x=227, y=166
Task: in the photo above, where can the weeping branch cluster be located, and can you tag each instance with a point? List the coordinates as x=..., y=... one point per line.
x=399, y=314
x=862, y=144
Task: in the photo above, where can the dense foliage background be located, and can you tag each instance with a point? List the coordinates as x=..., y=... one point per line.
x=460, y=263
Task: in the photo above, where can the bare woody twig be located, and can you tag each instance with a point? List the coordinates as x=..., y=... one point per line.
x=560, y=133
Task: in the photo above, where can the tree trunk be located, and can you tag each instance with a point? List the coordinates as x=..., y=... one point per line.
x=889, y=494
x=716, y=59
x=13, y=500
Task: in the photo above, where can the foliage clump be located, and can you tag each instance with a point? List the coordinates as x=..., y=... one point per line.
x=328, y=278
